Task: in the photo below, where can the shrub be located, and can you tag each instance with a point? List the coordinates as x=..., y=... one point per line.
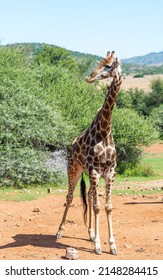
x=139, y=170
x=138, y=76
x=155, y=97
x=156, y=117
x=27, y=166
x=131, y=131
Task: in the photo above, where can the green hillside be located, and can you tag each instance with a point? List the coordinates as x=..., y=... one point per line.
x=148, y=59
x=143, y=65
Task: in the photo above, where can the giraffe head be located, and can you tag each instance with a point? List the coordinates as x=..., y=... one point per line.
x=108, y=67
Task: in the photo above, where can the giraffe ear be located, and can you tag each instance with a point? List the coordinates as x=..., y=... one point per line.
x=112, y=54
x=107, y=54
x=110, y=57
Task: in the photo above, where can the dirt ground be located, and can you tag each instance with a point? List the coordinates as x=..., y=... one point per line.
x=27, y=229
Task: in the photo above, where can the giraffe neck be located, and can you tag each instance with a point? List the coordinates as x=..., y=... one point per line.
x=108, y=106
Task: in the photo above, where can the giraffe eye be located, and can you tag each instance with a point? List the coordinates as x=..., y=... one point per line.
x=107, y=66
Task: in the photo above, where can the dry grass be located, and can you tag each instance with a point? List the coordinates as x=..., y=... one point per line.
x=140, y=83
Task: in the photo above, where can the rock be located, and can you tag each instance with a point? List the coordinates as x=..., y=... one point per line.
x=140, y=250
x=127, y=246
x=17, y=225
x=9, y=214
x=36, y=210
x=71, y=254
x=120, y=194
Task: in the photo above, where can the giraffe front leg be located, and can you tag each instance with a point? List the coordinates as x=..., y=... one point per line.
x=62, y=224
x=74, y=172
x=108, y=209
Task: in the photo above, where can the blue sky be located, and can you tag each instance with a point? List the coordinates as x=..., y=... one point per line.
x=129, y=27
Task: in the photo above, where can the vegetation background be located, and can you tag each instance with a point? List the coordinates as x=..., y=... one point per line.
x=45, y=102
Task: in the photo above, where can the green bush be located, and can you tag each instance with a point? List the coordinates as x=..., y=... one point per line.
x=131, y=132
x=156, y=117
x=155, y=97
x=139, y=170
x=21, y=166
x=29, y=124
x=138, y=76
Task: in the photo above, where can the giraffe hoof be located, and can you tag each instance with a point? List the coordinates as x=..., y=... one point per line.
x=59, y=235
x=113, y=251
x=98, y=251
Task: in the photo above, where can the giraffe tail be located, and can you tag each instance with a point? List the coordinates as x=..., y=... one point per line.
x=83, y=195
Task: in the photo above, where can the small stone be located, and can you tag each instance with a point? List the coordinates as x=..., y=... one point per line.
x=101, y=193
x=9, y=214
x=71, y=254
x=127, y=246
x=120, y=194
x=140, y=250
x=36, y=210
x=17, y=225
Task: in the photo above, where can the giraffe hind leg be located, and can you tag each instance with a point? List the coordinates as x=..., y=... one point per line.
x=91, y=215
x=108, y=209
x=74, y=172
x=94, y=178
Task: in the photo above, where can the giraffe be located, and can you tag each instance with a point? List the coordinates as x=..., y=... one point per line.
x=93, y=151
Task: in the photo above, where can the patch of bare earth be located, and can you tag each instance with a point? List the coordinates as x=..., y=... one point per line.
x=27, y=229
x=25, y=234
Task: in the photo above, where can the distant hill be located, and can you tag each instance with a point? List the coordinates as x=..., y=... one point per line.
x=152, y=58
x=148, y=64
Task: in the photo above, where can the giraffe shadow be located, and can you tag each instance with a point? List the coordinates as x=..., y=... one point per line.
x=44, y=241
x=143, y=202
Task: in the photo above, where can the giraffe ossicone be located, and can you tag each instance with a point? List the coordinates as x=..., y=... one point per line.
x=93, y=151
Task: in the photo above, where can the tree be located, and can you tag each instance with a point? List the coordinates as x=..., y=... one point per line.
x=155, y=97
x=156, y=117
x=56, y=56
x=131, y=132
